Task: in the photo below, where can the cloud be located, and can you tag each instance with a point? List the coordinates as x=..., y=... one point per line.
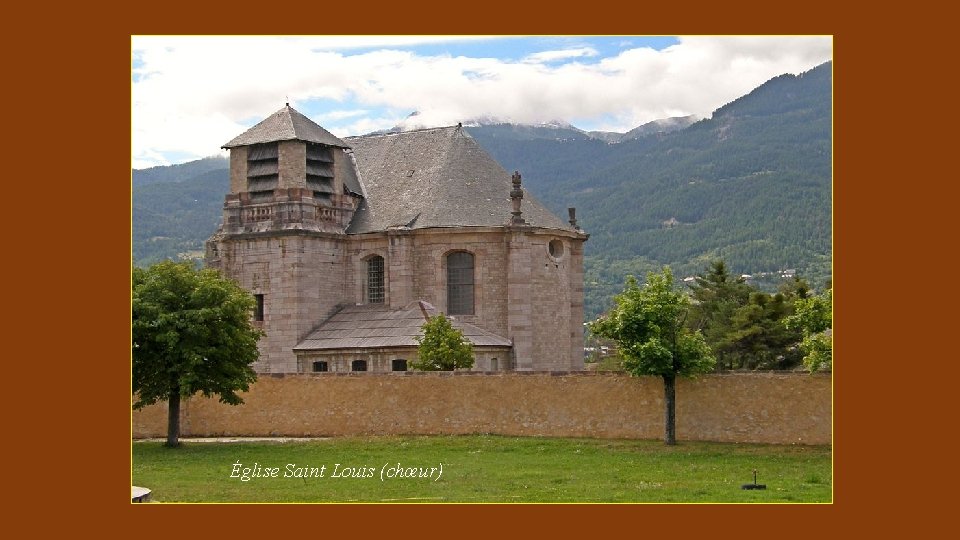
x=192, y=94
x=335, y=116
x=552, y=56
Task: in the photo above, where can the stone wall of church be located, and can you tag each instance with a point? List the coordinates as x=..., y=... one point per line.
x=521, y=291
x=301, y=277
x=238, y=169
x=429, y=272
x=486, y=359
x=292, y=163
x=550, y=283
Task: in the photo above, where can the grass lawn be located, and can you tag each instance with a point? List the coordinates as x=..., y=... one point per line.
x=483, y=468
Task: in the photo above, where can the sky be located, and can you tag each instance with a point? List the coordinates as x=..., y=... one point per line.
x=192, y=94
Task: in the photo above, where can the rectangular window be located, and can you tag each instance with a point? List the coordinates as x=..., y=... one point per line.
x=375, y=280
x=320, y=365
x=358, y=365
x=399, y=365
x=258, y=311
x=460, y=283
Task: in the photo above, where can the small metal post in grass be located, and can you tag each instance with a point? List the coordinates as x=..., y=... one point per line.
x=754, y=485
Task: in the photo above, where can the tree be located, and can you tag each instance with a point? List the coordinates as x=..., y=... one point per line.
x=758, y=338
x=648, y=324
x=442, y=347
x=192, y=332
x=813, y=317
x=716, y=297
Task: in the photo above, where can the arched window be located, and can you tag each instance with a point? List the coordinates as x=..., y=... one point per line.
x=460, y=283
x=375, y=280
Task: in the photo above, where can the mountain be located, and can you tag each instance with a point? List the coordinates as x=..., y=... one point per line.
x=659, y=127
x=174, y=218
x=178, y=173
x=508, y=131
x=751, y=184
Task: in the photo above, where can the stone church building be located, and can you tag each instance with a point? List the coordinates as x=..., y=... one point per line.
x=350, y=244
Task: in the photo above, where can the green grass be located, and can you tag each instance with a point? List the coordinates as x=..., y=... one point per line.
x=488, y=469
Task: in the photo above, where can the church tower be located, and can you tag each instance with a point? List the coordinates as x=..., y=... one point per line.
x=293, y=192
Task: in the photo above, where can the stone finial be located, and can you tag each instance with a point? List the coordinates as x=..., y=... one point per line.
x=516, y=194
x=573, y=217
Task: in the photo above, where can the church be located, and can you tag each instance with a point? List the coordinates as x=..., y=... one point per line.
x=348, y=245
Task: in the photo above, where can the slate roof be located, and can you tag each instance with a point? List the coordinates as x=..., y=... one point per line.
x=285, y=125
x=437, y=177
x=377, y=326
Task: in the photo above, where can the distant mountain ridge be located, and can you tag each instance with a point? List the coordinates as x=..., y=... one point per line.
x=178, y=173
x=554, y=129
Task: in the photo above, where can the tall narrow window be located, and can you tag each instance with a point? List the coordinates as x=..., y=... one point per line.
x=375, y=280
x=460, y=283
x=258, y=311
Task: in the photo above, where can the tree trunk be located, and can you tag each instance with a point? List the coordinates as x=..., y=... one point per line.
x=670, y=407
x=173, y=418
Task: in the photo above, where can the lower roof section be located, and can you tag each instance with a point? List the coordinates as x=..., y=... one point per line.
x=375, y=326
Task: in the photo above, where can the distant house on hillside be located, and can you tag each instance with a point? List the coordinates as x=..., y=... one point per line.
x=349, y=244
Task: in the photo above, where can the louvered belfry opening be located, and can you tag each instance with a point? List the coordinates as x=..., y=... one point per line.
x=320, y=170
x=263, y=170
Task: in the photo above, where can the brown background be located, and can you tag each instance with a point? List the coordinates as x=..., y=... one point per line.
x=69, y=278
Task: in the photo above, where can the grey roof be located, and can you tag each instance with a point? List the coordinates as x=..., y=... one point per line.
x=347, y=173
x=437, y=177
x=377, y=326
x=285, y=125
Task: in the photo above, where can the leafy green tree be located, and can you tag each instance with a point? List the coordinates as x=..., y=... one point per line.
x=442, y=347
x=192, y=332
x=813, y=317
x=648, y=324
x=716, y=297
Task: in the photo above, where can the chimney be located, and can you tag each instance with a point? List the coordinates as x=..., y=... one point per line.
x=516, y=194
x=573, y=217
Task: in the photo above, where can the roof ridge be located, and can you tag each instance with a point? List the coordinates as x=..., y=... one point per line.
x=394, y=133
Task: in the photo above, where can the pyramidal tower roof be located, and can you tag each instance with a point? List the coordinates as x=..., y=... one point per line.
x=285, y=125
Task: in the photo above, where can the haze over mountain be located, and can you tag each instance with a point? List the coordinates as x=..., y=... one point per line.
x=751, y=184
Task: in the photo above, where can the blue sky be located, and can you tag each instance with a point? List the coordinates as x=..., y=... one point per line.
x=192, y=94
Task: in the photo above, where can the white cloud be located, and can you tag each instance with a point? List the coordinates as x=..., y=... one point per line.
x=192, y=94
x=336, y=116
x=552, y=56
